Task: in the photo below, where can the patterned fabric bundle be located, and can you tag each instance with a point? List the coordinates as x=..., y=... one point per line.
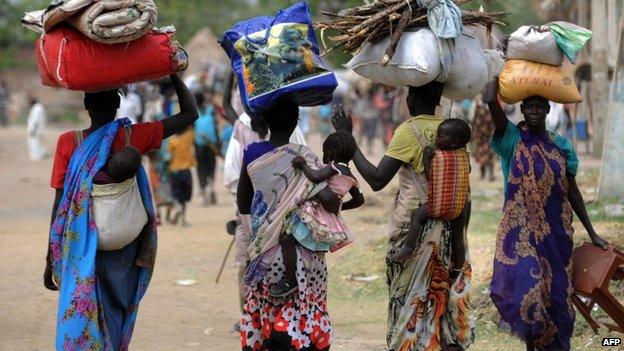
x=105, y=21
x=448, y=184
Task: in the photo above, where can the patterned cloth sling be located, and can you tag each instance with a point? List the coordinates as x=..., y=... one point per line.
x=449, y=184
x=117, y=208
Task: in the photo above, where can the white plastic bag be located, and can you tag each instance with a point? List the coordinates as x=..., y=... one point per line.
x=534, y=43
x=468, y=71
x=415, y=63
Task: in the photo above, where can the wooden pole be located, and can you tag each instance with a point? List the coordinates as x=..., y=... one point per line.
x=600, y=83
x=612, y=172
x=227, y=253
x=612, y=28
x=582, y=20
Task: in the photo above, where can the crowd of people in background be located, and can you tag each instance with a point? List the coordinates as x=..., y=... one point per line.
x=376, y=111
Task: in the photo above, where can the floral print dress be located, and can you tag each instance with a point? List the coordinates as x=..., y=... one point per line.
x=299, y=321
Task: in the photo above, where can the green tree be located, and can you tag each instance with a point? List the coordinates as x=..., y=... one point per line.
x=12, y=35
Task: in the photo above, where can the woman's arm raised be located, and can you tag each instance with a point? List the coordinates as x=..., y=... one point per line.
x=188, y=110
x=230, y=114
x=376, y=176
x=499, y=118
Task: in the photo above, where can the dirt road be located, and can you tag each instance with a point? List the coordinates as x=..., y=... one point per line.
x=171, y=317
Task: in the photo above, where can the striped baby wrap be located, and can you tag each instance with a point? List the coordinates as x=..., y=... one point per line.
x=449, y=184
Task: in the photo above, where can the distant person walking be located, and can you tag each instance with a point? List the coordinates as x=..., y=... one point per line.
x=365, y=110
x=207, y=147
x=36, y=131
x=482, y=131
x=4, y=104
x=182, y=161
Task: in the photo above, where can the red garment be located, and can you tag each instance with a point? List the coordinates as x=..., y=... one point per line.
x=144, y=136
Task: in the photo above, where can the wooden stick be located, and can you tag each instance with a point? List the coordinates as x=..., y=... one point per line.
x=227, y=253
x=396, y=36
x=377, y=17
x=359, y=25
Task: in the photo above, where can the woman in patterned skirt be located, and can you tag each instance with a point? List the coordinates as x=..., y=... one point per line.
x=532, y=279
x=482, y=131
x=270, y=189
x=429, y=305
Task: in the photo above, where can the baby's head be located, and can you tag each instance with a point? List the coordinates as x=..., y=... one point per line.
x=123, y=165
x=339, y=147
x=453, y=133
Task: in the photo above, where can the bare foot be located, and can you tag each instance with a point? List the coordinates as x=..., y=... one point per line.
x=403, y=254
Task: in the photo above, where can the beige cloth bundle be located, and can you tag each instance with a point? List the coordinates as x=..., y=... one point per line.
x=105, y=21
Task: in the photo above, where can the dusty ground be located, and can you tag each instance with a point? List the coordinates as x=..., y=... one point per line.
x=200, y=317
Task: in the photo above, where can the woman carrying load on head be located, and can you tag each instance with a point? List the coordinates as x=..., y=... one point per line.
x=100, y=289
x=428, y=293
x=532, y=279
x=269, y=190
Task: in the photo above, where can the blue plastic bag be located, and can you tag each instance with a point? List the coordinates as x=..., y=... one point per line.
x=276, y=57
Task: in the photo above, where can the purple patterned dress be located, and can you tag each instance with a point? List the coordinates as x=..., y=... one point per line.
x=531, y=284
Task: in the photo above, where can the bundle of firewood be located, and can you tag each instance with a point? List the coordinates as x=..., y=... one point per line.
x=372, y=21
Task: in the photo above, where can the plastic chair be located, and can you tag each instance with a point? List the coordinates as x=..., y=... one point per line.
x=594, y=268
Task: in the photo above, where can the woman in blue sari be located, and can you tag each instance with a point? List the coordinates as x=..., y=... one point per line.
x=100, y=290
x=532, y=279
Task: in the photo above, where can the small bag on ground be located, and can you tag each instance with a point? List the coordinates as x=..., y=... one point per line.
x=276, y=57
x=521, y=79
x=66, y=58
x=416, y=61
